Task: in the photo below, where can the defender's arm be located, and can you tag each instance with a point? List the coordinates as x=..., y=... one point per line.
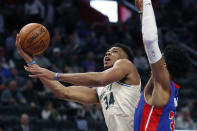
x=150, y=39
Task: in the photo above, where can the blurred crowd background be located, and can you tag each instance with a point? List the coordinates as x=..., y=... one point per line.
x=78, y=45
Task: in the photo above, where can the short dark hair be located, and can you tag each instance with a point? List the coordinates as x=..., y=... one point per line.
x=126, y=49
x=177, y=61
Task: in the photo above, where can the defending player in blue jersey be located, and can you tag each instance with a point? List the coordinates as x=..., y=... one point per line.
x=156, y=107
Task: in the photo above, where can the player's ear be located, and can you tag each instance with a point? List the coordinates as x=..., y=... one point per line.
x=165, y=65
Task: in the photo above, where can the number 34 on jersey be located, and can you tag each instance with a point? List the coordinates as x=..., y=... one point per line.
x=109, y=100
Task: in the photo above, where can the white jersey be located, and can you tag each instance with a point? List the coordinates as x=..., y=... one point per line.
x=118, y=103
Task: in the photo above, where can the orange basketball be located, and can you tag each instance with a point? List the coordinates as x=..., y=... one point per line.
x=34, y=38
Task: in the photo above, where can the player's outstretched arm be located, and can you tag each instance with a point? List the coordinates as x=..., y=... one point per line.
x=80, y=94
x=150, y=39
x=120, y=69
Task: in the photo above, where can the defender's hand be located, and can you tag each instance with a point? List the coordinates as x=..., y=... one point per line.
x=24, y=55
x=38, y=72
x=139, y=4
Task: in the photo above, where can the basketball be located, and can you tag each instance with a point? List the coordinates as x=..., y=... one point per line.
x=34, y=38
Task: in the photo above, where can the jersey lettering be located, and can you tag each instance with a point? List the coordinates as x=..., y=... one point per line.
x=171, y=117
x=111, y=99
x=109, y=102
x=106, y=102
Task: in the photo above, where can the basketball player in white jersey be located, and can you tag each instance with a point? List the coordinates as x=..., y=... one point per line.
x=118, y=87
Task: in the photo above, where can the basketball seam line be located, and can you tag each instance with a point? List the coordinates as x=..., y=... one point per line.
x=36, y=41
x=30, y=32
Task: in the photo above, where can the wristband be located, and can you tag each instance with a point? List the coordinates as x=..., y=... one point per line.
x=56, y=76
x=31, y=63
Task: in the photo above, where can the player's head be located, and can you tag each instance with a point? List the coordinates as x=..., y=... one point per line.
x=24, y=119
x=177, y=61
x=12, y=85
x=116, y=52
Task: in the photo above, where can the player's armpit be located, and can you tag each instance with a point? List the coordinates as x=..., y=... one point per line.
x=161, y=74
x=80, y=94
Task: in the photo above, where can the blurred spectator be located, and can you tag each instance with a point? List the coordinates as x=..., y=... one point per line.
x=140, y=61
x=74, y=63
x=6, y=61
x=96, y=113
x=25, y=124
x=18, y=78
x=103, y=45
x=12, y=95
x=74, y=43
x=110, y=35
x=171, y=37
x=82, y=124
x=57, y=60
x=3, y=58
x=57, y=37
x=4, y=72
x=42, y=61
x=50, y=12
x=34, y=10
x=30, y=94
x=2, y=54
x=2, y=25
x=10, y=42
x=185, y=121
x=89, y=64
x=82, y=117
x=91, y=42
x=60, y=12
x=49, y=113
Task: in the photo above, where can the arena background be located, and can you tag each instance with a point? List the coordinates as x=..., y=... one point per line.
x=80, y=35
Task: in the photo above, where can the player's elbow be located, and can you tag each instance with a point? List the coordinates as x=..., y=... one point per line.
x=65, y=94
x=150, y=38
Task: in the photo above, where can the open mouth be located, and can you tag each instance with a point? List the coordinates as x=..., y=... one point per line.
x=107, y=59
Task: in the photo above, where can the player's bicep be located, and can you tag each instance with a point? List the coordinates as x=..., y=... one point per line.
x=82, y=94
x=117, y=72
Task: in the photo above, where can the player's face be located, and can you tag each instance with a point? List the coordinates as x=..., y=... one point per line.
x=112, y=55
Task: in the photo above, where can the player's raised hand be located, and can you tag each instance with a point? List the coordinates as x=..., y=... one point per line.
x=139, y=4
x=38, y=72
x=24, y=55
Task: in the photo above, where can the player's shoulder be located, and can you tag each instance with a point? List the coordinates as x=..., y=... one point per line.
x=124, y=62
